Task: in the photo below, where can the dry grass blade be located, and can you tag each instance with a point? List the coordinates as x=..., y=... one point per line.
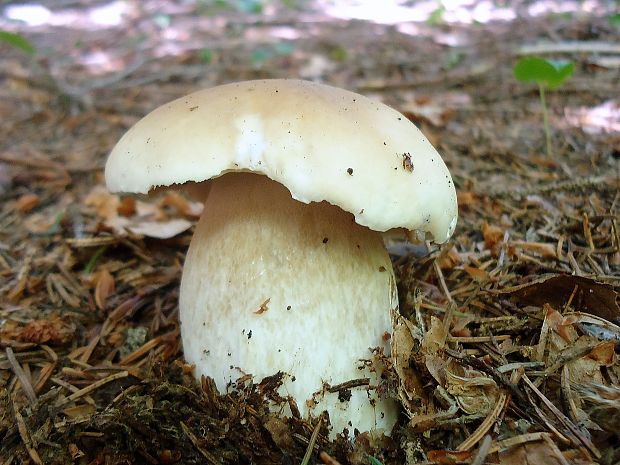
x=564, y=420
x=158, y=342
x=568, y=395
x=310, y=448
x=26, y=438
x=506, y=444
x=483, y=451
x=551, y=427
x=557, y=452
x=194, y=440
x=46, y=372
x=90, y=388
x=328, y=459
x=140, y=351
x=72, y=388
x=88, y=350
x=22, y=279
x=478, y=339
x=87, y=242
x=442, y=280
x=23, y=378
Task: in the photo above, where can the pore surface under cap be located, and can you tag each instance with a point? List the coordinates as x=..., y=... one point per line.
x=321, y=142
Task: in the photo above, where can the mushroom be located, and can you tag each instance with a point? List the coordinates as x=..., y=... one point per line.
x=287, y=271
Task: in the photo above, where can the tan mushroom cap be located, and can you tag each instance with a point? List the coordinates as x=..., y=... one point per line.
x=320, y=142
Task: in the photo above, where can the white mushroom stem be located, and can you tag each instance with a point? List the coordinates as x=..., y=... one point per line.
x=271, y=284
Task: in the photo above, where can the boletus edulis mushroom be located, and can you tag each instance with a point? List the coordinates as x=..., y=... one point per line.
x=287, y=271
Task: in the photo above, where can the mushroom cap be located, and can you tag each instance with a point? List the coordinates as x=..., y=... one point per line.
x=322, y=143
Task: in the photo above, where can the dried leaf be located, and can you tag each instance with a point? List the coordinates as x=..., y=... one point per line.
x=105, y=203
x=474, y=392
x=104, y=287
x=466, y=199
x=539, y=248
x=435, y=337
x=436, y=366
x=26, y=203
x=160, y=229
x=604, y=353
x=449, y=259
x=149, y=211
x=410, y=387
x=436, y=110
x=83, y=410
x=181, y=204
x=39, y=223
x=448, y=457
x=589, y=296
x=602, y=404
x=74, y=450
x=279, y=432
x=140, y=218
x=530, y=453
x=581, y=367
x=16, y=292
x=476, y=273
x=493, y=235
x=127, y=207
x=559, y=324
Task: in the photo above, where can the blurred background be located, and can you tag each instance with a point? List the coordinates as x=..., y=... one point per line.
x=89, y=45
x=429, y=58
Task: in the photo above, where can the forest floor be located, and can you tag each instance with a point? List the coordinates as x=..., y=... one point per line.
x=513, y=326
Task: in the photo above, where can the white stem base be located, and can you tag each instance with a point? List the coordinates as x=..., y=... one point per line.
x=271, y=284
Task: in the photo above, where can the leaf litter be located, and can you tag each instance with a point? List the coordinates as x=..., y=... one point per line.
x=505, y=349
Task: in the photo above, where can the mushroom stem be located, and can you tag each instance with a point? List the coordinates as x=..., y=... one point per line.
x=272, y=284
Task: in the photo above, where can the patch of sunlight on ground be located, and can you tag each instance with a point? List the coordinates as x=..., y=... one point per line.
x=604, y=118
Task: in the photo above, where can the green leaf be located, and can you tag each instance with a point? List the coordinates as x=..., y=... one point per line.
x=436, y=16
x=250, y=6
x=17, y=41
x=564, y=69
x=261, y=55
x=90, y=266
x=284, y=48
x=454, y=57
x=373, y=460
x=338, y=53
x=614, y=19
x=206, y=55
x=293, y=4
x=547, y=73
x=162, y=20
